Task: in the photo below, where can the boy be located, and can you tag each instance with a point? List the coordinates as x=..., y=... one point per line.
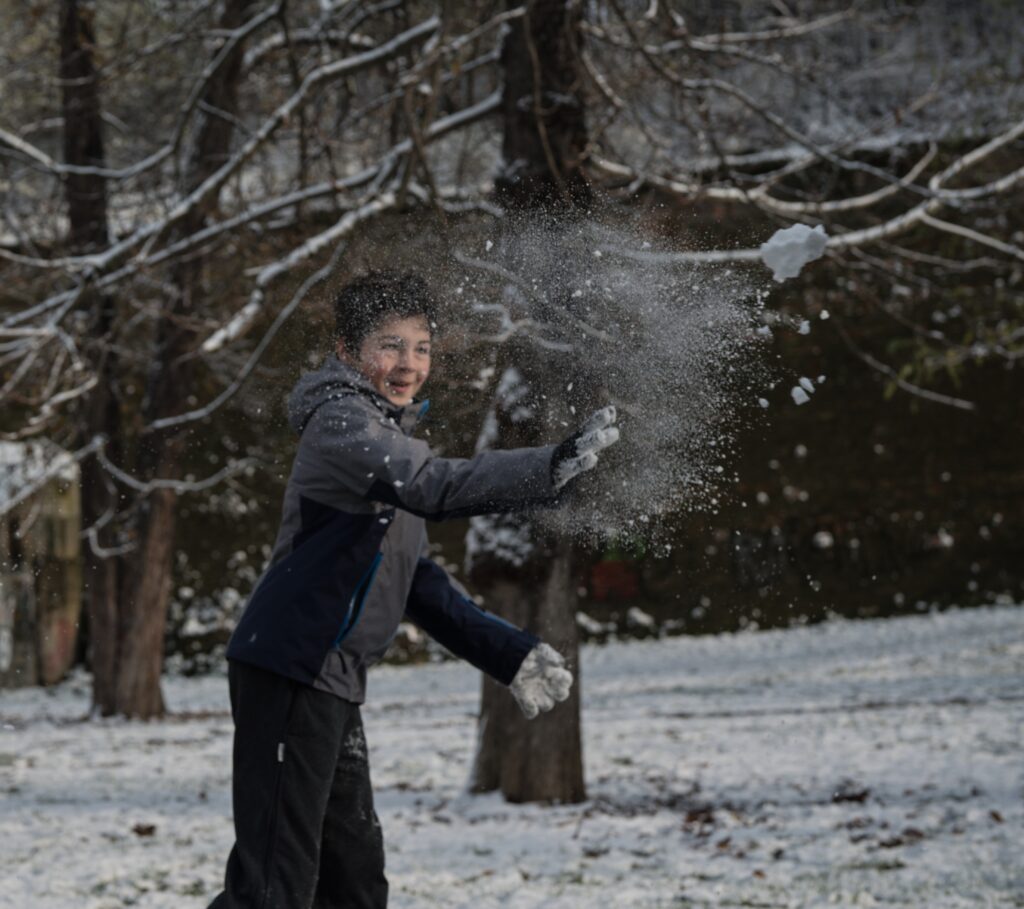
x=349, y=562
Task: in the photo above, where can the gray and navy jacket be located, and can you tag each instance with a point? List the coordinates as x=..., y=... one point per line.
x=350, y=557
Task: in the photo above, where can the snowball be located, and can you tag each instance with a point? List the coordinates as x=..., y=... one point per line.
x=789, y=250
x=807, y=385
x=799, y=395
x=763, y=402
x=489, y=245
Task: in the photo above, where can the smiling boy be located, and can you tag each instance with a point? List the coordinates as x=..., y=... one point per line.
x=350, y=562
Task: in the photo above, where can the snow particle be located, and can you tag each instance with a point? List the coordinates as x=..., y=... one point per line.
x=823, y=540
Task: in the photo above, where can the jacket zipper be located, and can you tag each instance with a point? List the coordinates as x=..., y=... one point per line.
x=355, y=605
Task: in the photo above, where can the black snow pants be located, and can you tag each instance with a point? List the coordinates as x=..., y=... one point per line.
x=306, y=834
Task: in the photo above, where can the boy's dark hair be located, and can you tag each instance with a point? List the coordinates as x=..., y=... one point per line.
x=366, y=302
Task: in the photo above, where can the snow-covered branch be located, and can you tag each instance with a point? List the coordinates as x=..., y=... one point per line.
x=228, y=45
x=792, y=29
x=300, y=295
x=54, y=467
x=760, y=195
x=179, y=487
x=146, y=235
x=922, y=213
x=243, y=319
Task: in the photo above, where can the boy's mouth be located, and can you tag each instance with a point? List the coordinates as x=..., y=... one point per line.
x=399, y=387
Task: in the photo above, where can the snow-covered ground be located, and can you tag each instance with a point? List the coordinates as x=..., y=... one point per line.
x=850, y=764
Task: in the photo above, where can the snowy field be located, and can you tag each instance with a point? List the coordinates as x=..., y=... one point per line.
x=850, y=764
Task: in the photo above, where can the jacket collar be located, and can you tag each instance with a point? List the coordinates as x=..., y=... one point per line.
x=407, y=416
x=336, y=379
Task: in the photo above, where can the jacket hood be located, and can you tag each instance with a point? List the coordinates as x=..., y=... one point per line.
x=332, y=379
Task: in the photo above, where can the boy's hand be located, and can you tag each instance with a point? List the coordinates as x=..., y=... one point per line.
x=579, y=452
x=542, y=681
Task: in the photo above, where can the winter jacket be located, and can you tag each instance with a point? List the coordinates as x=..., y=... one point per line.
x=349, y=560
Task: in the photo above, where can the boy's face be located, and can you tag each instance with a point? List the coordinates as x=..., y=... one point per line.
x=395, y=357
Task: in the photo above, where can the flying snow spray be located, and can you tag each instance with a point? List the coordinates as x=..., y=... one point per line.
x=678, y=346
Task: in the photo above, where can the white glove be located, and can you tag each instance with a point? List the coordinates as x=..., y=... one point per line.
x=542, y=681
x=579, y=452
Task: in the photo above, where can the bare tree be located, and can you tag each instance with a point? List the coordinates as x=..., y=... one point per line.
x=132, y=313
x=644, y=92
x=172, y=374
x=172, y=200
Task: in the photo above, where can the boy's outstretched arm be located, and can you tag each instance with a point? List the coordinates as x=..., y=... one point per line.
x=379, y=462
x=534, y=672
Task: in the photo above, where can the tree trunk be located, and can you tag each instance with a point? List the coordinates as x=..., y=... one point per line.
x=144, y=610
x=83, y=127
x=544, y=143
x=127, y=609
x=86, y=195
x=545, y=138
x=146, y=589
x=539, y=760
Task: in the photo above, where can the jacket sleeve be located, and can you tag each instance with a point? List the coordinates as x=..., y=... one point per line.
x=443, y=610
x=371, y=457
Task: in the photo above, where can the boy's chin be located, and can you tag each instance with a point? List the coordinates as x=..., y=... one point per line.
x=399, y=399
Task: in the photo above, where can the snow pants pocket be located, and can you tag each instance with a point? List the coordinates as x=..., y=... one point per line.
x=306, y=835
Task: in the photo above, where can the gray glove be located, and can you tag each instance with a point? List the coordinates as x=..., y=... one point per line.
x=541, y=682
x=579, y=452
